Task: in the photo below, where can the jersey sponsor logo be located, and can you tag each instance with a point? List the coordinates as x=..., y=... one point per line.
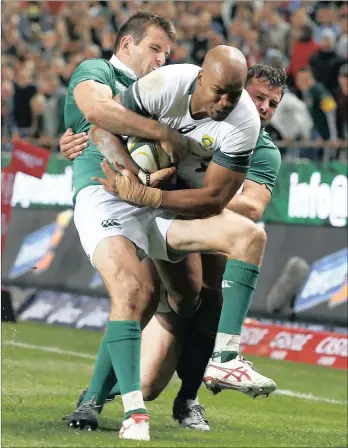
x=207, y=141
x=108, y=223
x=187, y=129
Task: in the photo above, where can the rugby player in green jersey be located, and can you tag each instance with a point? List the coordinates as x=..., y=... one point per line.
x=116, y=235
x=141, y=46
x=186, y=345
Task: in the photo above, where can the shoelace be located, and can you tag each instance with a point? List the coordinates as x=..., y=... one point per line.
x=242, y=359
x=197, y=412
x=87, y=406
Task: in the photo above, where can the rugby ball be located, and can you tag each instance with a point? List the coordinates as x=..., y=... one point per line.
x=147, y=154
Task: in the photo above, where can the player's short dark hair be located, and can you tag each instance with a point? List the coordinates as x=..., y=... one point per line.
x=138, y=23
x=274, y=77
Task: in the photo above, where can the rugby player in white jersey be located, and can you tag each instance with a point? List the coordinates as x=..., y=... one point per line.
x=170, y=342
x=219, y=90
x=177, y=101
x=254, y=384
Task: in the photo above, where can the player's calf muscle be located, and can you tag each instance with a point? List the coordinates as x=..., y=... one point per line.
x=129, y=287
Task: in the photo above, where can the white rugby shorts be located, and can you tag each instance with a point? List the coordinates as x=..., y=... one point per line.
x=99, y=215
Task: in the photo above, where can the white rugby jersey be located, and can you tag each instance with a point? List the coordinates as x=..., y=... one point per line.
x=165, y=95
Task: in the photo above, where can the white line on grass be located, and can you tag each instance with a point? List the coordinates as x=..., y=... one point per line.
x=290, y=393
x=42, y=348
x=59, y=351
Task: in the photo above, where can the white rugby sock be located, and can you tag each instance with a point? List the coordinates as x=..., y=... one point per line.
x=227, y=342
x=133, y=400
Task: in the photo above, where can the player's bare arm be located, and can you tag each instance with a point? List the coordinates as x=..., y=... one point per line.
x=252, y=201
x=220, y=185
x=97, y=105
x=113, y=148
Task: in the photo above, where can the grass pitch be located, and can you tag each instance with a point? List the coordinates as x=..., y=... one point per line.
x=40, y=386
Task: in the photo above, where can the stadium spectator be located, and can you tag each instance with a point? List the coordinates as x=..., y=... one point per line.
x=53, y=113
x=325, y=63
x=342, y=42
x=292, y=119
x=201, y=38
x=251, y=47
x=326, y=19
x=322, y=108
x=300, y=17
x=276, y=30
x=24, y=90
x=342, y=109
x=6, y=114
x=37, y=107
x=275, y=58
x=302, y=50
x=49, y=46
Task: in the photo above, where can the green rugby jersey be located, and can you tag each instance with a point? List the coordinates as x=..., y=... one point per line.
x=118, y=77
x=265, y=161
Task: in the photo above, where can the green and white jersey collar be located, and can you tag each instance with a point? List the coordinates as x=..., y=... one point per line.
x=122, y=67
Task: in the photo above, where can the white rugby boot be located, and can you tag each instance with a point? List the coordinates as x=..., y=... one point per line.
x=136, y=427
x=237, y=374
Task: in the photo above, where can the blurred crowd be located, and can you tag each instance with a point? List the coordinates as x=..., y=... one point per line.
x=43, y=42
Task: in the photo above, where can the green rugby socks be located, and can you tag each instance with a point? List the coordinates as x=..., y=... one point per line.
x=123, y=340
x=103, y=376
x=240, y=280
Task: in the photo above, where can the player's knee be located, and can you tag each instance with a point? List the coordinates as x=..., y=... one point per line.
x=251, y=237
x=185, y=300
x=258, y=237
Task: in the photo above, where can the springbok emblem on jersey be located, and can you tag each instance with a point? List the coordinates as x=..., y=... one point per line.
x=207, y=141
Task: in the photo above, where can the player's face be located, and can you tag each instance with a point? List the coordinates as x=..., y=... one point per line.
x=152, y=52
x=265, y=98
x=218, y=95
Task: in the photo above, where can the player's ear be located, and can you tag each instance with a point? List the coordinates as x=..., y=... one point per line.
x=126, y=44
x=200, y=78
